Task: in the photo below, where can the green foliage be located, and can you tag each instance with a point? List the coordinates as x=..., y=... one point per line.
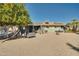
x=13, y=14
x=69, y=31
x=74, y=24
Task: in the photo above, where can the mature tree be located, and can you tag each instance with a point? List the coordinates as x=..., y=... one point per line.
x=74, y=24
x=13, y=14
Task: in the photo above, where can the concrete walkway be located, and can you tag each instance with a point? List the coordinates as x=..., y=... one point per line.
x=50, y=44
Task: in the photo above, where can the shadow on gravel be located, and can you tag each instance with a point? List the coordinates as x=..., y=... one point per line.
x=8, y=40
x=15, y=38
x=73, y=47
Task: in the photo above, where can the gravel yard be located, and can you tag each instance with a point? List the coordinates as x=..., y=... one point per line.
x=49, y=44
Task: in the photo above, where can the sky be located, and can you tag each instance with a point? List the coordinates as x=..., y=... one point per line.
x=53, y=12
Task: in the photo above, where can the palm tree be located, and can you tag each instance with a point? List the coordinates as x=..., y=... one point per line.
x=74, y=24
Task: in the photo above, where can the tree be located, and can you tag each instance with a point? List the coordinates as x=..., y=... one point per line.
x=13, y=14
x=74, y=24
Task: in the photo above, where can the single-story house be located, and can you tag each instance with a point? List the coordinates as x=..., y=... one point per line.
x=47, y=26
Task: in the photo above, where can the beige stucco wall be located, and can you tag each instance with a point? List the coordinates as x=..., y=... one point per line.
x=53, y=29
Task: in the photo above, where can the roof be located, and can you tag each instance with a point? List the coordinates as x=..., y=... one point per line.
x=47, y=24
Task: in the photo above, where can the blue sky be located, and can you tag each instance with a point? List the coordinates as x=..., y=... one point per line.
x=40, y=12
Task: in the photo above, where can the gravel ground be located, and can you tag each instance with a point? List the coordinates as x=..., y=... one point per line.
x=49, y=44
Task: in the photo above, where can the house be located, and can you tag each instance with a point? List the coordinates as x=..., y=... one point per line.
x=47, y=26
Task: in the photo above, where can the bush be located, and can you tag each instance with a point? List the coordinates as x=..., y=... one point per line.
x=70, y=31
